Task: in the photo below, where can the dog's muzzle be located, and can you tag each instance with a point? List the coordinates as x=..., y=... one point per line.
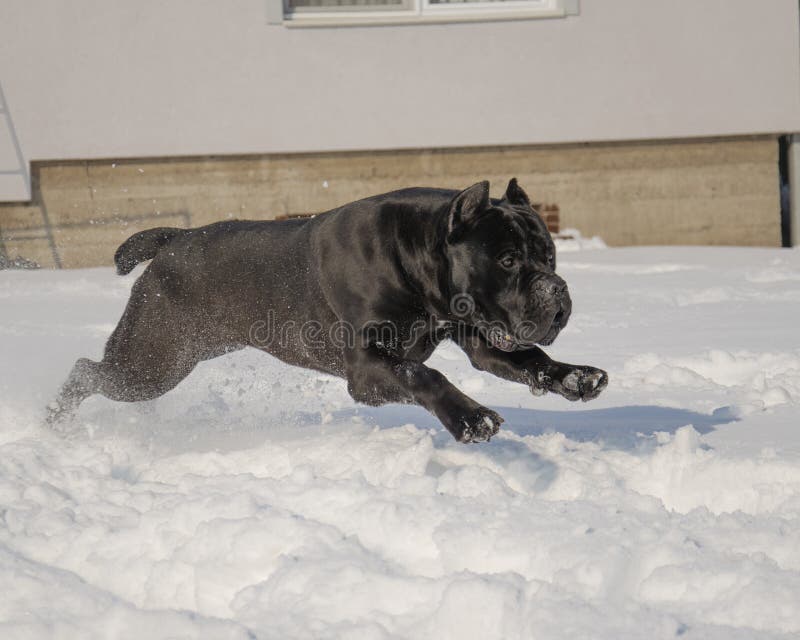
x=551, y=294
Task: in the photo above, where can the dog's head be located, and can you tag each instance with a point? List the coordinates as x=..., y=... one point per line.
x=502, y=264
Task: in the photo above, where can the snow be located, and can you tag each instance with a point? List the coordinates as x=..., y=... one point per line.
x=257, y=500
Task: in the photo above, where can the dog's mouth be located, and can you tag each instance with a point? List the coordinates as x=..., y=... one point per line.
x=555, y=328
x=500, y=340
x=558, y=321
x=505, y=341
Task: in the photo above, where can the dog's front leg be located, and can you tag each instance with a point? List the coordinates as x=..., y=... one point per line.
x=376, y=378
x=536, y=369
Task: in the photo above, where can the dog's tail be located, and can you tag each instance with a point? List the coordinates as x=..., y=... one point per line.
x=144, y=246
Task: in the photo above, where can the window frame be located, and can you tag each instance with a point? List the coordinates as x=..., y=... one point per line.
x=420, y=12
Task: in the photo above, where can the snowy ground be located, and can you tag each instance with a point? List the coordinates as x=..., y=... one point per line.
x=257, y=500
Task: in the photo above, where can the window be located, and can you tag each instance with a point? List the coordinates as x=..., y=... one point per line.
x=354, y=12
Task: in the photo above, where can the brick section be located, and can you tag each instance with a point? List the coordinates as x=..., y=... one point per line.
x=661, y=192
x=550, y=215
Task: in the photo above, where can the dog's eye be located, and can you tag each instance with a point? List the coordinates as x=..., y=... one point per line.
x=508, y=260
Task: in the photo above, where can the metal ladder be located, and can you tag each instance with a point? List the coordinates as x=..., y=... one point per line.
x=22, y=166
x=23, y=171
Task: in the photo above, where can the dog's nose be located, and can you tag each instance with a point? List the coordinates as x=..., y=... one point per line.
x=553, y=287
x=557, y=290
x=551, y=291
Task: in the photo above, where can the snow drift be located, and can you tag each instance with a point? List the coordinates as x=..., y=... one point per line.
x=256, y=500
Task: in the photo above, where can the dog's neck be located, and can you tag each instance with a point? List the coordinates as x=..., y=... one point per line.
x=423, y=258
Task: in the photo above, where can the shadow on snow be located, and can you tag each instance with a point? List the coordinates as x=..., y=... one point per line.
x=615, y=427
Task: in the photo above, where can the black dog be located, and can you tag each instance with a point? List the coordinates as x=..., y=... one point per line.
x=364, y=292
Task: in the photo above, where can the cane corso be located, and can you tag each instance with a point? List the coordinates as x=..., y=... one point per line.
x=365, y=292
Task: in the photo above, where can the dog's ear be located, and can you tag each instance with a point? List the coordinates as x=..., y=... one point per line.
x=515, y=194
x=466, y=206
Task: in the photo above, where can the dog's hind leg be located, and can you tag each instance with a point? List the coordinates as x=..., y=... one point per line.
x=121, y=379
x=81, y=383
x=151, y=350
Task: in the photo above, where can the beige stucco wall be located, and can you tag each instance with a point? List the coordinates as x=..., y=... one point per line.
x=113, y=79
x=721, y=191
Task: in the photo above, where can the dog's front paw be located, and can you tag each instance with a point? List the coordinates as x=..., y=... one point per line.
x=480, y=425
x=580, y=383
x=540, y=382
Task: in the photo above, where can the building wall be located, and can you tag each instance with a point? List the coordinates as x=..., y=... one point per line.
x=721, y=191
x=113, y=79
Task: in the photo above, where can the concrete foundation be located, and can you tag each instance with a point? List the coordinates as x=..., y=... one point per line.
x=721, y=192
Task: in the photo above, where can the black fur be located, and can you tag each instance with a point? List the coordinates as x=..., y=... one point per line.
x=143, y=246
x=395, y=274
